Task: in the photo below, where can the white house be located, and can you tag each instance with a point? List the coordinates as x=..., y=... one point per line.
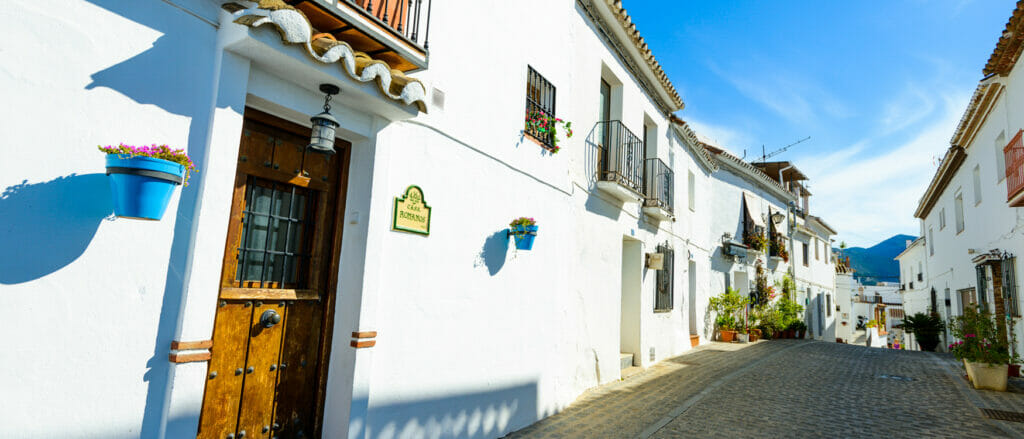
x=845, y=294
x=971, y=212
x=357, y=316
x=915, y=293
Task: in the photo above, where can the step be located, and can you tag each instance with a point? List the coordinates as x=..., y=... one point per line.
x=625, y=361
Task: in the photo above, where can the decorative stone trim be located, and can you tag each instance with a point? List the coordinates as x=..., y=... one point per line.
x=367, y=341
x=295, y=28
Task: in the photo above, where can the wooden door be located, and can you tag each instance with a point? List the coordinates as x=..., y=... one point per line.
x=276, y=290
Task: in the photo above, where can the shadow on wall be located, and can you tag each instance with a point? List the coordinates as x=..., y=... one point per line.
x=48, y=225
x=488, y=414
x=177, y=74
x=494, y=252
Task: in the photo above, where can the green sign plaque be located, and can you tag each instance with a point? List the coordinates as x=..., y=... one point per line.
x=412, y=214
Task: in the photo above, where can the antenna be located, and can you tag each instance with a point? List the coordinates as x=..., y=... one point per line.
x=765, y=157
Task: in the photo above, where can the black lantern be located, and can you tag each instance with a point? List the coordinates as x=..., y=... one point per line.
x=777, y=217
x=324, y=124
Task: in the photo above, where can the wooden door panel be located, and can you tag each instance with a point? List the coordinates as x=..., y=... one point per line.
x=296, y=382
x=255, y=414
x=288, y=152
x=223, y=385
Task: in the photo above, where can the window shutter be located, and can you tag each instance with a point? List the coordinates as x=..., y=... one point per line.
x=982, y=287
x=1010, y=286
x=663, y=300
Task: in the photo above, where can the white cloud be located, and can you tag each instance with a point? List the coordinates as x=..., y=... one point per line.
x=868, y=198
x=789, y=94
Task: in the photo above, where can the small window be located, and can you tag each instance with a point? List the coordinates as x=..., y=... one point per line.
x=806, y=256
x=275, y=247
x=828, y=304
x=690, y=181
x=942, y=218
x=959, y=202
x=663, y=293
x=540, y=102
x=817, y=249
x=931, y=242
x=1000, y=157
x=977, y=185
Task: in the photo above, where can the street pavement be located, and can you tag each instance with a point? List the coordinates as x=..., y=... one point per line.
x=788, y=388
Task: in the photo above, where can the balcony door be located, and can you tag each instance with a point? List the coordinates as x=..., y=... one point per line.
x=273, y=314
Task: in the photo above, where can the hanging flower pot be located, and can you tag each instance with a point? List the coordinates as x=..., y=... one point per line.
x=142, y=179
x=524, y=230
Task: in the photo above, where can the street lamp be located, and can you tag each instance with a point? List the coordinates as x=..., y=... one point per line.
x=324, y=124
x=777, y=217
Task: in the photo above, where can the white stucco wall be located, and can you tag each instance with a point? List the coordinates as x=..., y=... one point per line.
x=988, y=224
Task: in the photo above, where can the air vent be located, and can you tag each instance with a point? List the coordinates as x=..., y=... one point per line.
x=1001, y=415
x=437, y=98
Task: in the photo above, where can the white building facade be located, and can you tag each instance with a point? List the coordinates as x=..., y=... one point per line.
x=971, y=215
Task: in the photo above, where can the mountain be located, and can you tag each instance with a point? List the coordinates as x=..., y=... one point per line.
x=876, y=263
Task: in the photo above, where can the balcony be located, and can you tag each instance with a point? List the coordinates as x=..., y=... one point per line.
x=393, y=31
x=658, y=183
x=1014, y=154
x=620, y=161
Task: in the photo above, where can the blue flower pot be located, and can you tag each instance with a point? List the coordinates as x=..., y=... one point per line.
x=524, y=236
x=142, y=186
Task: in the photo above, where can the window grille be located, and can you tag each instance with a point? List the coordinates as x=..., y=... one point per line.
x=982, y=287
x=275, y=246
x=1010, y=286
x=540, y=101
x=663, y=296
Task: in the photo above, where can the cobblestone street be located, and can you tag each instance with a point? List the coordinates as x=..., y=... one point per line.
x=788, y=388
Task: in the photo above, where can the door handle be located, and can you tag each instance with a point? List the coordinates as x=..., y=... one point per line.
x=269, y=318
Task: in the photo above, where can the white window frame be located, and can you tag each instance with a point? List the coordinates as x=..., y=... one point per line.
x=942, y=218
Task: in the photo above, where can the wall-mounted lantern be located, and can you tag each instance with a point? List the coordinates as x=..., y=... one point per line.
x=324, y=124
x=777, y=217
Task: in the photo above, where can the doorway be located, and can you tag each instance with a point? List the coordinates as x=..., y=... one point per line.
x=691, y=288
x=275, y=307
x=629, y=322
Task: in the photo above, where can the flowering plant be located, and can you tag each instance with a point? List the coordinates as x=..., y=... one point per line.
x=980, y=341
x=545, y=128
x=523, y=221
x=778, y=247
x=162, y=152
x=754, y=240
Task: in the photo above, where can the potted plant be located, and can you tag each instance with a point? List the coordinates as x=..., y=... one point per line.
x=726, y=325
x=142, y=178
x=543, y=126
x=985, y=354
x=799, y=329
x=727, y=305
x=926, y=329
x=524, y=230
x=755, y=241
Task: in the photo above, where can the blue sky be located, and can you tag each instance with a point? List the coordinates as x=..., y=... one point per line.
x=879, y=87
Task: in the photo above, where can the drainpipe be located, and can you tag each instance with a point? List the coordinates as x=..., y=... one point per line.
x=792, y=250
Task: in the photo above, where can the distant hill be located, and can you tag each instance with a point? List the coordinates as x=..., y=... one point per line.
x=876, y=263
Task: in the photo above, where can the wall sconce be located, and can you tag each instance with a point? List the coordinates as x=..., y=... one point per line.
x=777, y=217
x=324, y=124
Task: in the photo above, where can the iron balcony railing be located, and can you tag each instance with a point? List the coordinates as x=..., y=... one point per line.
x=620, y=155
x=540, y=104
x=658, y=184
x=401, y=17
x=1014, y=155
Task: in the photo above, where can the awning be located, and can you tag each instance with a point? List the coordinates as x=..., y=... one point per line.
x=753, y=208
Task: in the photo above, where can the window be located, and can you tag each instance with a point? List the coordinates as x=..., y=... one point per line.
x=959, y=201
x=942, y=218
x=977, y=185
x=1010, y=286
x=540, y=102
x=817, y=249
x=828, y=304
x=275, y=248
x=982, y=287
x=693, y=191
x=931, y=242
x=663, y=281
x=1000, y=157
x=806, y=250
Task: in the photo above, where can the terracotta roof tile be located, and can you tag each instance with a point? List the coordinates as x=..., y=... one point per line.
x=1008, y=49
